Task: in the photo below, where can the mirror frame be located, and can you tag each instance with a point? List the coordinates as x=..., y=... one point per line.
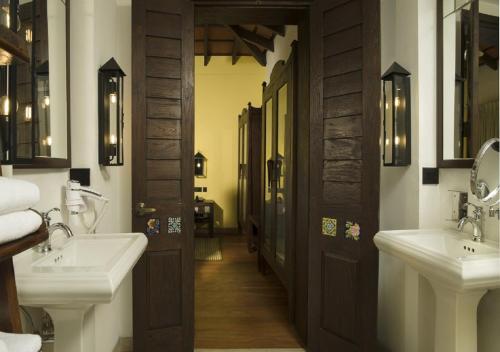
x=38, y=162
x=473, y=106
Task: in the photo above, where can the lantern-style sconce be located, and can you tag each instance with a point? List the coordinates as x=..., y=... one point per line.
x=397, y=116
x=111, y=114
x=200, y=165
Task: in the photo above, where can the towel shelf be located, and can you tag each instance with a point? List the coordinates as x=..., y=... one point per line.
x=10, y=321
x=10, y=249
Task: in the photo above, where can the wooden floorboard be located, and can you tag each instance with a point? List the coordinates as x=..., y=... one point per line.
x=236, y=306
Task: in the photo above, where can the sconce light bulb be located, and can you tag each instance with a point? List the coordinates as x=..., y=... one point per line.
x=198, y=165
x=387, y=141
x=27, y=112
x=396, y=140
x=387, y=106
x=113, y=98
x=397, y=102
x=28, y=35
x=49, y=141
x=46, y=101
x=5, y=105
x=112, y=139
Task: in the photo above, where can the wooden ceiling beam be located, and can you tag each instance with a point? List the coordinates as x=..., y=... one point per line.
x=206, y=55
x=279, y=30
x=254, y=38
x=256, y=53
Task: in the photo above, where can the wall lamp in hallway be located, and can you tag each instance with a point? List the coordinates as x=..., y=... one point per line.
x=397, y=116
x=110, y=99
x=200, y=165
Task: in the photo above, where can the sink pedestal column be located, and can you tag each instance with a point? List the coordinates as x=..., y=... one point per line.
x=456, y=319
x=69, y=329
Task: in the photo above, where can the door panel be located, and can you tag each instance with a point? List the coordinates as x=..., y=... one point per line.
x=344, y=179
x=163, y=174
x=269, y=169
x=281, y=173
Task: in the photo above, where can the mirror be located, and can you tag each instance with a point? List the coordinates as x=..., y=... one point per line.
x=467, y=79
x=484, y=181
x=36, y=132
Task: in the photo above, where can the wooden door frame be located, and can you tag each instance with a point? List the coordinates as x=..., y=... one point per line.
x=282, y=13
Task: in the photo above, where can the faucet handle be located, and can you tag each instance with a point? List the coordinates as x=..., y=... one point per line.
x=478, y=210
x=46, y=215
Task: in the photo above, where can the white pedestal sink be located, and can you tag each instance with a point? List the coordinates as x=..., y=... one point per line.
x=84, y=271
x=460, y=271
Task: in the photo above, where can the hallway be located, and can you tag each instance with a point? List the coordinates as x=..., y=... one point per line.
x=237, y=307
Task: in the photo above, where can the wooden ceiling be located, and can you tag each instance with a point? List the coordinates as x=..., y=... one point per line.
x=236, y=41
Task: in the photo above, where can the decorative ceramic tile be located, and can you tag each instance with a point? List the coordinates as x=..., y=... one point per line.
x=352, y=230
x=153, y=227
x=174, y=225
x=329, y=227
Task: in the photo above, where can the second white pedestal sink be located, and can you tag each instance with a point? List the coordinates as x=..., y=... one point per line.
x=460, y=271
x=85, y=270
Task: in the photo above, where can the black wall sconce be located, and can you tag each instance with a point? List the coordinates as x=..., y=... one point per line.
x=397, y=116
x=200, y=165
x=111, y=114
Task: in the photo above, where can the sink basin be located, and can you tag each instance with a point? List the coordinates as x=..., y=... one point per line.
x=449, y=256
x=85, y=269
x=79, y=273
x=460, y=272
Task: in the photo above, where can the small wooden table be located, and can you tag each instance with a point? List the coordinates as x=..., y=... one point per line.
x=204, y=214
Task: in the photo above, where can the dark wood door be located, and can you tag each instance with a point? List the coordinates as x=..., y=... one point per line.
x=344, y=179
x=163, y=173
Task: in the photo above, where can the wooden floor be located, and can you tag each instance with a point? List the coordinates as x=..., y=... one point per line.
x=236, y=306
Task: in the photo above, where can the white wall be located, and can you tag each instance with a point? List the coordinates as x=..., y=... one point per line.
x=408, y=30
x=100, y=29
x=282, y=49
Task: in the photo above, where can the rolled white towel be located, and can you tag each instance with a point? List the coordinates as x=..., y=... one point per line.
x=21, y=342
x=19, y=224
x=16, y=195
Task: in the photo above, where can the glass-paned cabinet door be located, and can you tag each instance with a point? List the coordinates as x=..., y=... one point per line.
x=280, y=169
x=269, y=168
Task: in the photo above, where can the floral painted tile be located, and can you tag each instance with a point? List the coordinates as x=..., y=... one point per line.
x=329, y=227
x=174, y=225
x=352, y=230
x=153, y=227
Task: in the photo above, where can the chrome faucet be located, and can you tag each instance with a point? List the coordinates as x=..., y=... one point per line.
x=46, y=246
x=476, y=221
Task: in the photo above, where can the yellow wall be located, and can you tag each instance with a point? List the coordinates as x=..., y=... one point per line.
x=221, y=92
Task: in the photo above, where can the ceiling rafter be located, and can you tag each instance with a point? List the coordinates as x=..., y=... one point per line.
x=256, y=53
x=234, y=54
x=206, y=54
x=254, y=38
x=279, y=30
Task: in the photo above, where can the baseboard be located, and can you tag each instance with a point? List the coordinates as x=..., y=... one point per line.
x=219, y=231
x=124, y=344
x=226, y=230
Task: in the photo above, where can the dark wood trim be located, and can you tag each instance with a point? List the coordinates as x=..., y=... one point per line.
x=441, y=162
x=187, y=108
x=256, y=53
x=233, y=15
